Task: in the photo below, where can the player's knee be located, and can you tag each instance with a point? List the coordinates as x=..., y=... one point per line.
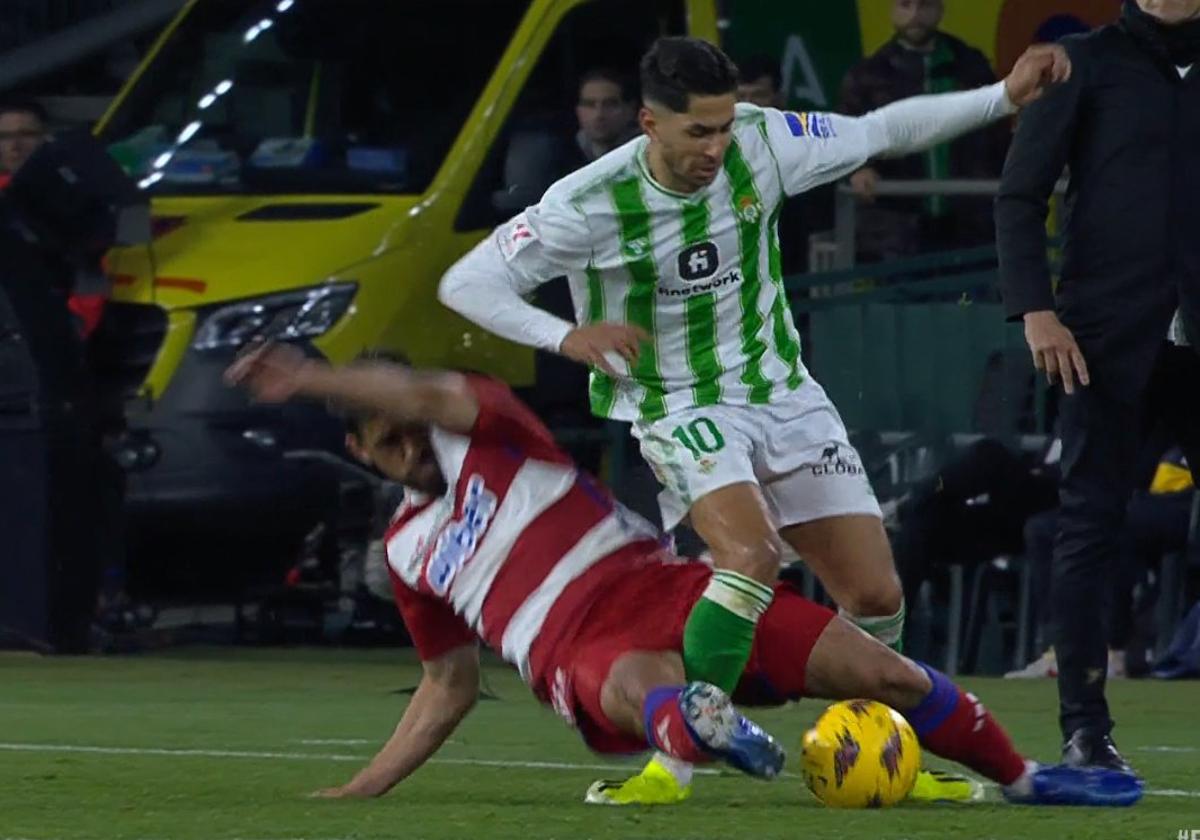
x=876, y=598
x=758, y=557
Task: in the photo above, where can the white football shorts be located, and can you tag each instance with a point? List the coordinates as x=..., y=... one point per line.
x=794, y=448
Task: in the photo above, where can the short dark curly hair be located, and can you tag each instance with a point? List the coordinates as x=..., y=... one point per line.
x=677, y=68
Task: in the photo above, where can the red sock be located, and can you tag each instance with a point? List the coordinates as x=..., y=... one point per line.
x=955, y=725
x=666, y=729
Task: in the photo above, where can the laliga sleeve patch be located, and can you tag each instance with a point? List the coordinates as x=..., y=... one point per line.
x=809, y=124
x=515, y=235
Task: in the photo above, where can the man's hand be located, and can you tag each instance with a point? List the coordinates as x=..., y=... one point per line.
x=347, y=791
x=1054, y=349
x=272, y=373
x=1038, y=67
x=863, y=183
x=590, y=343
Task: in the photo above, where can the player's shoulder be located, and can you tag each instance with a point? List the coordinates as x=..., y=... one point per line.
x=754, y=125
x=750, y=127
x=748, y=116
x=572, y=191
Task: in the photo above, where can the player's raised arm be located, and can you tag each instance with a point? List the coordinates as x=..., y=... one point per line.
x=447, y=692
x=280, y=372
x=488, y=284
x=814, y=149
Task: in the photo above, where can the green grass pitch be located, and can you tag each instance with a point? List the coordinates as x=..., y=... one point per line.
x=223, y=744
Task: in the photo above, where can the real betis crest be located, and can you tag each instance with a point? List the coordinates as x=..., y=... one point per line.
x=748, y=210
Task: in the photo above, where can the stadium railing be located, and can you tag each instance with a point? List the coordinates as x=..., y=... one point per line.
x=841, y=247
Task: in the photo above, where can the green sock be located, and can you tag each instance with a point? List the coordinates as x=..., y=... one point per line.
x=888, y=629
x=719, y=633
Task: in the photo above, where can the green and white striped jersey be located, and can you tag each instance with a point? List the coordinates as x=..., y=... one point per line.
x=700, y=272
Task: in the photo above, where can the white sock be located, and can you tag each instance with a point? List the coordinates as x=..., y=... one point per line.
x=1024, y=785
x=681, y=770
x=886, y=628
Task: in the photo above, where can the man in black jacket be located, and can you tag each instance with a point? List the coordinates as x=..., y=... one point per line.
x=1127, y=126
x=922, y=59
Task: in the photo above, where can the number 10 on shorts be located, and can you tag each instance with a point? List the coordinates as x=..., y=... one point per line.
x=701, y=437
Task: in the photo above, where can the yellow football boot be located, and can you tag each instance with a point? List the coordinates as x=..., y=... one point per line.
x=940, y=786
x=653, y=786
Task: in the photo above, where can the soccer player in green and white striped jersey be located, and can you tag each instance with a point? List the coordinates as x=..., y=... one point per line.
x=670, y=248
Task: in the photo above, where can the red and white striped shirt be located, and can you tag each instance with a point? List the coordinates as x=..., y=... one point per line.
x=517, y=547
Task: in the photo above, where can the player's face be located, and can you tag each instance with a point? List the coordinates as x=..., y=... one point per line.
x=401, y=452
x=1171, y=11
x=916, y=21
x=692, y=144
x=20, y=135
x=603, y=115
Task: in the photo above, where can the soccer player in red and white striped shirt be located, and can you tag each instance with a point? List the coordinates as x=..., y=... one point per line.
x=502, y=539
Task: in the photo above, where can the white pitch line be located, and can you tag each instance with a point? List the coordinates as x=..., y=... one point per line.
x=326, y=742
x=185, y=753
x=1166, y=749
x=475, y=762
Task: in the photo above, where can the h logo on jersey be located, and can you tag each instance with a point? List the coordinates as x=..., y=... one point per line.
x=699, y=261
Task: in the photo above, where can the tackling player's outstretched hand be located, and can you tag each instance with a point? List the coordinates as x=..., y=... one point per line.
x=590, y=343
x=272, y=373
x=1038, y=67
x=341, y=792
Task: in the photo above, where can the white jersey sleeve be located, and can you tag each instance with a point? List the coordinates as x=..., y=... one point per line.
x=816, y=148
x=486, y=286
x=545, y=241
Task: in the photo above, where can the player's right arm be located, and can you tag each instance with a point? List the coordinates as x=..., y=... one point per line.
x=279, y=372
x=448, y=690
x=488, y=286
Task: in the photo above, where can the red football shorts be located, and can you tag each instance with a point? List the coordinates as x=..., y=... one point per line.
x=646, y=612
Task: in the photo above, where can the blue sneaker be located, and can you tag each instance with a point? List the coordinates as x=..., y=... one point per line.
x=717, y=725
x=1062, y=785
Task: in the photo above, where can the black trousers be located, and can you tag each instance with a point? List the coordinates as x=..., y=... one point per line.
x=1102, y=438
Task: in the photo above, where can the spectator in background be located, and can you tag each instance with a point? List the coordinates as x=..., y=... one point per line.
x=22, y=130
x=921, y=59
x=607, y=114
x=760, y=82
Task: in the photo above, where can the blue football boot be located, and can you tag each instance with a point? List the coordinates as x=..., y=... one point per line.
x=719, y=727
x=1063, y=785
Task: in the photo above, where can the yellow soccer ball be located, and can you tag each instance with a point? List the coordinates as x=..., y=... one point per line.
x=860, y=754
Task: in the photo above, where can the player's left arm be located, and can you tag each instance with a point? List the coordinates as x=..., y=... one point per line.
x=448, y=690
x=280, y=372
x=814, y=149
